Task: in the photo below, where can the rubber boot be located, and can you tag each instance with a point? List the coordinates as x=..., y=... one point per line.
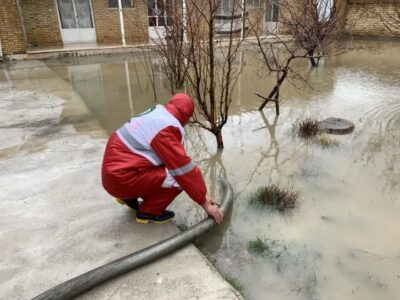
x=143, y=218
x=131, y=203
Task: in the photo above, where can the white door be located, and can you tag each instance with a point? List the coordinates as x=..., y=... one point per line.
x=76, y=21
x=158, y=19
x=271, y=17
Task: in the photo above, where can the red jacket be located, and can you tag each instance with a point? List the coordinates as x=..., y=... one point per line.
x=151, y=139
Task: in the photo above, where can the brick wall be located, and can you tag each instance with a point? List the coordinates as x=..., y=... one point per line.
x=359, y=17
x=108, y=25
x=10, y=28
x=363, y=17
x=41, y=22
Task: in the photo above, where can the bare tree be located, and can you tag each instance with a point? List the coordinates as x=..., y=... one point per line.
x=170, y=43
x=278, y=57
x=213, y=72
x=314, y=27
x=389, y=13
x=198, y=46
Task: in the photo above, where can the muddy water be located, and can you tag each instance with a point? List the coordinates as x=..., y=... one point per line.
x=343, y=239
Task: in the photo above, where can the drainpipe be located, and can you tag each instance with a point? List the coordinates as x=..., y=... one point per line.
x=184, y=13
x=243, y=19
x=1, y=53
x=128, y=83
x=21, y=19
x=121, y=21
x=240, y=78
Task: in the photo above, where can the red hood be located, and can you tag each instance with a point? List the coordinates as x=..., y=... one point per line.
x=181, y=107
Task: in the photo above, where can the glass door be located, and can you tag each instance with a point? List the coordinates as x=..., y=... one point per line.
x=76, y=21
x=271, y=17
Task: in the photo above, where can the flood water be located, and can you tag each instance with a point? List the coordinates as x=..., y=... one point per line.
x=342, y=241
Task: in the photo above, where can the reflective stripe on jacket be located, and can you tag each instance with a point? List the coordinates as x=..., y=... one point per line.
x=138, y=133
x=156, y=136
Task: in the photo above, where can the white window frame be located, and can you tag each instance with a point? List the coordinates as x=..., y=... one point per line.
x=253, y=3
x=109, y=6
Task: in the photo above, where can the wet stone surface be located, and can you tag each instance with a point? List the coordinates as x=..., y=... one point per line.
x=336, y=126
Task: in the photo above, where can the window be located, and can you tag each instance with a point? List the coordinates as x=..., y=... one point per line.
x=159, y=12
x=255, y=3
x=325, y=9
x=227, y=7
x=229, y=16
x=272, y=12
x=124, y=3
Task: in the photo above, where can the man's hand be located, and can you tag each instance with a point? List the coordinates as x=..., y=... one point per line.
x=211, y=207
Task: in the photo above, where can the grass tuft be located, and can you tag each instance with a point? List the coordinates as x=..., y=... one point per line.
x=326, y=142
x=234, y=282
x=308, y=128
x=258, y=246
x=276, y=197
x=265, y=247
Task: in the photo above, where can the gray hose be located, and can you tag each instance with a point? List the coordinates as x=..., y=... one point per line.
x=78, y=285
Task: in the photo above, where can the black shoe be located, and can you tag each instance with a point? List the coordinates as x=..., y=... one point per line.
x=166, y=216
x=131, y=203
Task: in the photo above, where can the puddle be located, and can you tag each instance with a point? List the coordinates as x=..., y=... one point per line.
x=343, y=239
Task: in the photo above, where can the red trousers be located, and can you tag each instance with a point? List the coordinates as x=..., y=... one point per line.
x=125, y=176
x=146, y=185
x=157, y=200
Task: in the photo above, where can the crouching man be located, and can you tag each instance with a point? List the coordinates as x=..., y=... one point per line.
x=145, y=158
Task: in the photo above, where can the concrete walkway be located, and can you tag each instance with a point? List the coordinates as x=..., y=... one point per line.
x=56, y=221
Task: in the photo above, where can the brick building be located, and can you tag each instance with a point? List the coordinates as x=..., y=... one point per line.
x=30, y=23
x=364, y=17
x=26, y=24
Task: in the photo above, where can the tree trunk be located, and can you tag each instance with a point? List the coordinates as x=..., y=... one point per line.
x=220, y=142
x=211, y=87
x=275, y=92
x=312, y=58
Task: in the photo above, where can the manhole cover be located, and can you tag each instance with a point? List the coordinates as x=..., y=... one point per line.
x=336, y=126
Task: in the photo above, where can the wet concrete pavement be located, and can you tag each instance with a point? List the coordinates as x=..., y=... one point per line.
x=56, y=220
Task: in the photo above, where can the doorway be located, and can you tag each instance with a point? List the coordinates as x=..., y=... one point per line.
x=271, y=17
x=76, y=21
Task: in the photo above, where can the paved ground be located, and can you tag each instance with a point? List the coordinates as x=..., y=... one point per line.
x=56, y=221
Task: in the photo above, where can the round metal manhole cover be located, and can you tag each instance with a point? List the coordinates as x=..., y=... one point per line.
x=336, y=126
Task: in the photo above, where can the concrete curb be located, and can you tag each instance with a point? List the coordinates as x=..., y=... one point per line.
x=83, y=50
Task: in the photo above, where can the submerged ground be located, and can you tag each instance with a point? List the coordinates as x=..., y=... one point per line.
x=342, y=241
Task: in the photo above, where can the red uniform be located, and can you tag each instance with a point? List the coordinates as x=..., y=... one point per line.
x=145, y=158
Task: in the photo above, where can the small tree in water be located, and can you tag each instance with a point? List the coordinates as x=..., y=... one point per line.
x=192, y=54
x=213, y=73
x=314, y=27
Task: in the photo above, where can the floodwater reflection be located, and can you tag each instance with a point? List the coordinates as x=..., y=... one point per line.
x=342, y=240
